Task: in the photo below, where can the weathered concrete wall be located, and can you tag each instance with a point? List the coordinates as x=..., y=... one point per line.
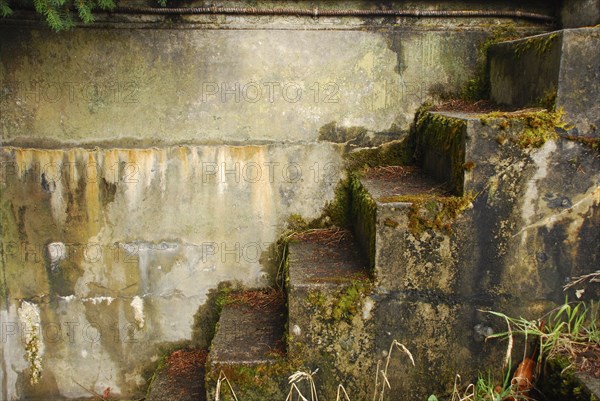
x=113, y=233
x=218, y=85
x=122, y=246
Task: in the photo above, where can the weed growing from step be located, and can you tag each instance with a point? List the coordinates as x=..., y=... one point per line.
x=571, y=329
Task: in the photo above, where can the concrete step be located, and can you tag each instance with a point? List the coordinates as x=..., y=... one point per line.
x=559, y=69
x=248, y=347
x=324, y=258
x=180, y=377
x=403, y=218
x=464, y=149
x=329, y=320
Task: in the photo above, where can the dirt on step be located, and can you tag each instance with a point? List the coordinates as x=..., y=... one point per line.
x=181, y=378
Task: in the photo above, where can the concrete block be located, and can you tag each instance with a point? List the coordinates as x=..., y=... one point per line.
x=330, y=321
x=558, y=69
x=249, y=347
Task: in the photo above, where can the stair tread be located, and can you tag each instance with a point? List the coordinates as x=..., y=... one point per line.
x=325, y=258
x=181, y=378
x=384, y=182
x=463, y=115
x=501, y=113
x=251, y=329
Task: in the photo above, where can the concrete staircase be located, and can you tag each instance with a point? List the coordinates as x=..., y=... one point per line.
x=481, y=222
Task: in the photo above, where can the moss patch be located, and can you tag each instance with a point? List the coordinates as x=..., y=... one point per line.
x=348, y=301
x=538, y=126
x=394, y=153
x=539, y=44
x=548, y=99
x=433, y=212
x=253, y=383
x=364, y=213
x=207, y=316
x=478, y=87
x=443, y=135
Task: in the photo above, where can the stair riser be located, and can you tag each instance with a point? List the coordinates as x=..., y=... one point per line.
x=331, y=331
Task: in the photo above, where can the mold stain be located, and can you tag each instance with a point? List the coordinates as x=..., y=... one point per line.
x=541, y=159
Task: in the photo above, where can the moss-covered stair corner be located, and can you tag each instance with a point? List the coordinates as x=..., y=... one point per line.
x=552, y=70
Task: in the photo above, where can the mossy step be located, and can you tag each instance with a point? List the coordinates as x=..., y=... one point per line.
x=390, y=183
x=463, y=149
x=250, y=329
x=247, y=354
x=552, y=70
x=325, y=258
x=329, y=314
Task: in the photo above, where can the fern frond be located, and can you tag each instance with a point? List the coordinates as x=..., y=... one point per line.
x=5, y=9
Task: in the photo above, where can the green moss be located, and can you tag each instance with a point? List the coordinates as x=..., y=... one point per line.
x=559, y=382
x=477, y=88
x=297, y=223
x=207, y=316
x=444, y=135
x=394, y=153
x=539, y=44
x=548, y=99
x=433, y=212
x=348, y=302
x=337, y=212
x=364, y=213
x=316, y=298
x=538, y=126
